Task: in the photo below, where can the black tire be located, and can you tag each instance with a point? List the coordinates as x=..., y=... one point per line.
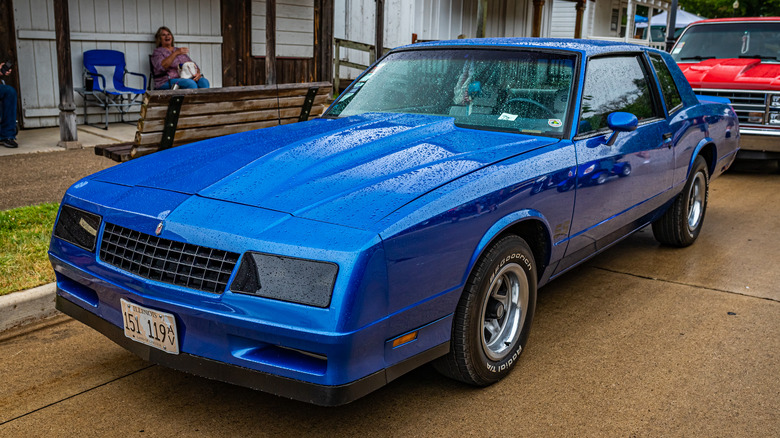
x=681, y=223
x=486, y=341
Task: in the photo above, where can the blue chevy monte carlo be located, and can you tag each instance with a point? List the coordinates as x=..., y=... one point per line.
x=412, y=223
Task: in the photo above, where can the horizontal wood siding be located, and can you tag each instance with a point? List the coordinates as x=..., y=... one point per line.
x=124, y=25
x=430, y=20
x=288, y=70
x=354, y=20
x=294, y=28
x=564, y=17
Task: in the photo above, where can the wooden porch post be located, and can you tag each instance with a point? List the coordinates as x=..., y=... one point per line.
x=68, y=134
x=237, y=63
x=270, y=42
x=481, y=18
x=536, y=31
x=580, y=7
x=323, y=40
x=648, y=33
x=630, y=14
x=380, y=28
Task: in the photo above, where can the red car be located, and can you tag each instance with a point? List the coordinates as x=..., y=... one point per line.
x=738, y=58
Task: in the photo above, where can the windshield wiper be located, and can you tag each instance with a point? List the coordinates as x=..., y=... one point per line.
x=759, y=57
x=697, y=57
x=486, y=127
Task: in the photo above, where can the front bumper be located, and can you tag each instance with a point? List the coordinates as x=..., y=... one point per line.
x=322, y=395
x=233, y=345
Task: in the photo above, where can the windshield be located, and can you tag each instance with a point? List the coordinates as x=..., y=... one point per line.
x=759, y=40
x=508, y=90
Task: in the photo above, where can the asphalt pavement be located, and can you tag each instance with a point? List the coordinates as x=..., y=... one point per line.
x=39, y=171
x=642, y=340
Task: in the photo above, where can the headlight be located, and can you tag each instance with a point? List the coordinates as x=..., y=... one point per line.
x=291, y=279
x=774, y=100
x=77, y=227
x=774, y=118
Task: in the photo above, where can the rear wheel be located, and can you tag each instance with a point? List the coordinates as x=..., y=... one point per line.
x=681, y=223
x=493, y=318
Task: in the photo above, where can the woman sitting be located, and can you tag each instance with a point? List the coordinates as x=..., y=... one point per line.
x=167, y=60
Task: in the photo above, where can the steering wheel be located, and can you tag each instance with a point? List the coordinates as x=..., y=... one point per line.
x=526, y=107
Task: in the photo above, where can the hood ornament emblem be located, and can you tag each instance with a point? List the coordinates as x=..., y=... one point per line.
x=159, y=228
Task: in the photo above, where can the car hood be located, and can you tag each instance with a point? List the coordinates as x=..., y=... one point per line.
x=351, y=171
x=733, y=73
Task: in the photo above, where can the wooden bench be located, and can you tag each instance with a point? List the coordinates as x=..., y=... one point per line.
x=174, y=117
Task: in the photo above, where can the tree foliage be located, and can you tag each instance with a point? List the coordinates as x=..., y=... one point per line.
x=725, y=8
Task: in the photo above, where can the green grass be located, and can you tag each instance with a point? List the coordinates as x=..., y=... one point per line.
x=24, y=239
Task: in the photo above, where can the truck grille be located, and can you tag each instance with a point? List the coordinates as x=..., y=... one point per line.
x=744, y=103
x=167, y=261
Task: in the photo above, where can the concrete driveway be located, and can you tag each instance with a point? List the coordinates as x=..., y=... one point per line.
x=640, y=341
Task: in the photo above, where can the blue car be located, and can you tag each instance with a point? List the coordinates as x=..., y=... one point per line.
x=412, y=223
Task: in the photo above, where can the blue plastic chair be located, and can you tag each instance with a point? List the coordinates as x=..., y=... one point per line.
x=112, y=92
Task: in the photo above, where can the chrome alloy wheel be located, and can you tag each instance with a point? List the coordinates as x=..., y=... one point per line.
x=504, y=310
x=696, y=196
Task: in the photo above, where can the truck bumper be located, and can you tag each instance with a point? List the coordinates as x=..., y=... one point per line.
x=758, y=144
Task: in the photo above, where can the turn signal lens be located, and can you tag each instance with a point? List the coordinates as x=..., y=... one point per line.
x=409, y=337
x=755, y=117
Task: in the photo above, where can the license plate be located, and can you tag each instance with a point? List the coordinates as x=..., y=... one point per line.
x=151, y=327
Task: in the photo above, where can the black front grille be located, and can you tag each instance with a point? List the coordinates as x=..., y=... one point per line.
x=168, y=261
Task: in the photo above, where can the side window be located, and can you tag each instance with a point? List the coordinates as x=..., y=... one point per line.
x=668, y=87
x=616, y=83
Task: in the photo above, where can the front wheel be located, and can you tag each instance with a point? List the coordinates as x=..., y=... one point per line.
x=493, y=318
x=681, y=223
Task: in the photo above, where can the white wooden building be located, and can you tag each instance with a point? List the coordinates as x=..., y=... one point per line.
x=602, y=19
x=294, y=28
x=216, y=31
x=431, y=20
x=124, y=25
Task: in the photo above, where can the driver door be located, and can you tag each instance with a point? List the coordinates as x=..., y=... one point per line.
x=619, y=184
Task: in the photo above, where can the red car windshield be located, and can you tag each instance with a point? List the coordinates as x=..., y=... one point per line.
x=757, y=40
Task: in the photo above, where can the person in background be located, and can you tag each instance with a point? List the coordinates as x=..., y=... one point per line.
x=166, y=60
x=7, y=111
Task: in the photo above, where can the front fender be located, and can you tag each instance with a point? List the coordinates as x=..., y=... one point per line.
x=503, y=225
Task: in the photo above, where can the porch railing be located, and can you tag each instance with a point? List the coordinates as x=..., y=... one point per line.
x=338, y=62
x=640, y=41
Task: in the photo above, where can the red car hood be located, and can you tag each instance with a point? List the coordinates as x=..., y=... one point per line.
x=735, y=73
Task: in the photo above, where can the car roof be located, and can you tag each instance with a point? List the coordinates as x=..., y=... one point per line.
x=737, y=19
x=587, y=47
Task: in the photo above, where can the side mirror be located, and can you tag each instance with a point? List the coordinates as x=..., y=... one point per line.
x=620, y=122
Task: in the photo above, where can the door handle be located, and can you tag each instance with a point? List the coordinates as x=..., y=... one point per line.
x=668, y=139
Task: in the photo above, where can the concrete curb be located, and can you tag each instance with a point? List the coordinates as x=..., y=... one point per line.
x=19, y=308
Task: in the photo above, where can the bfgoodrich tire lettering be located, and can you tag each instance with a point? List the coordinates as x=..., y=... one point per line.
x=494, y=315
x=681, y=223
